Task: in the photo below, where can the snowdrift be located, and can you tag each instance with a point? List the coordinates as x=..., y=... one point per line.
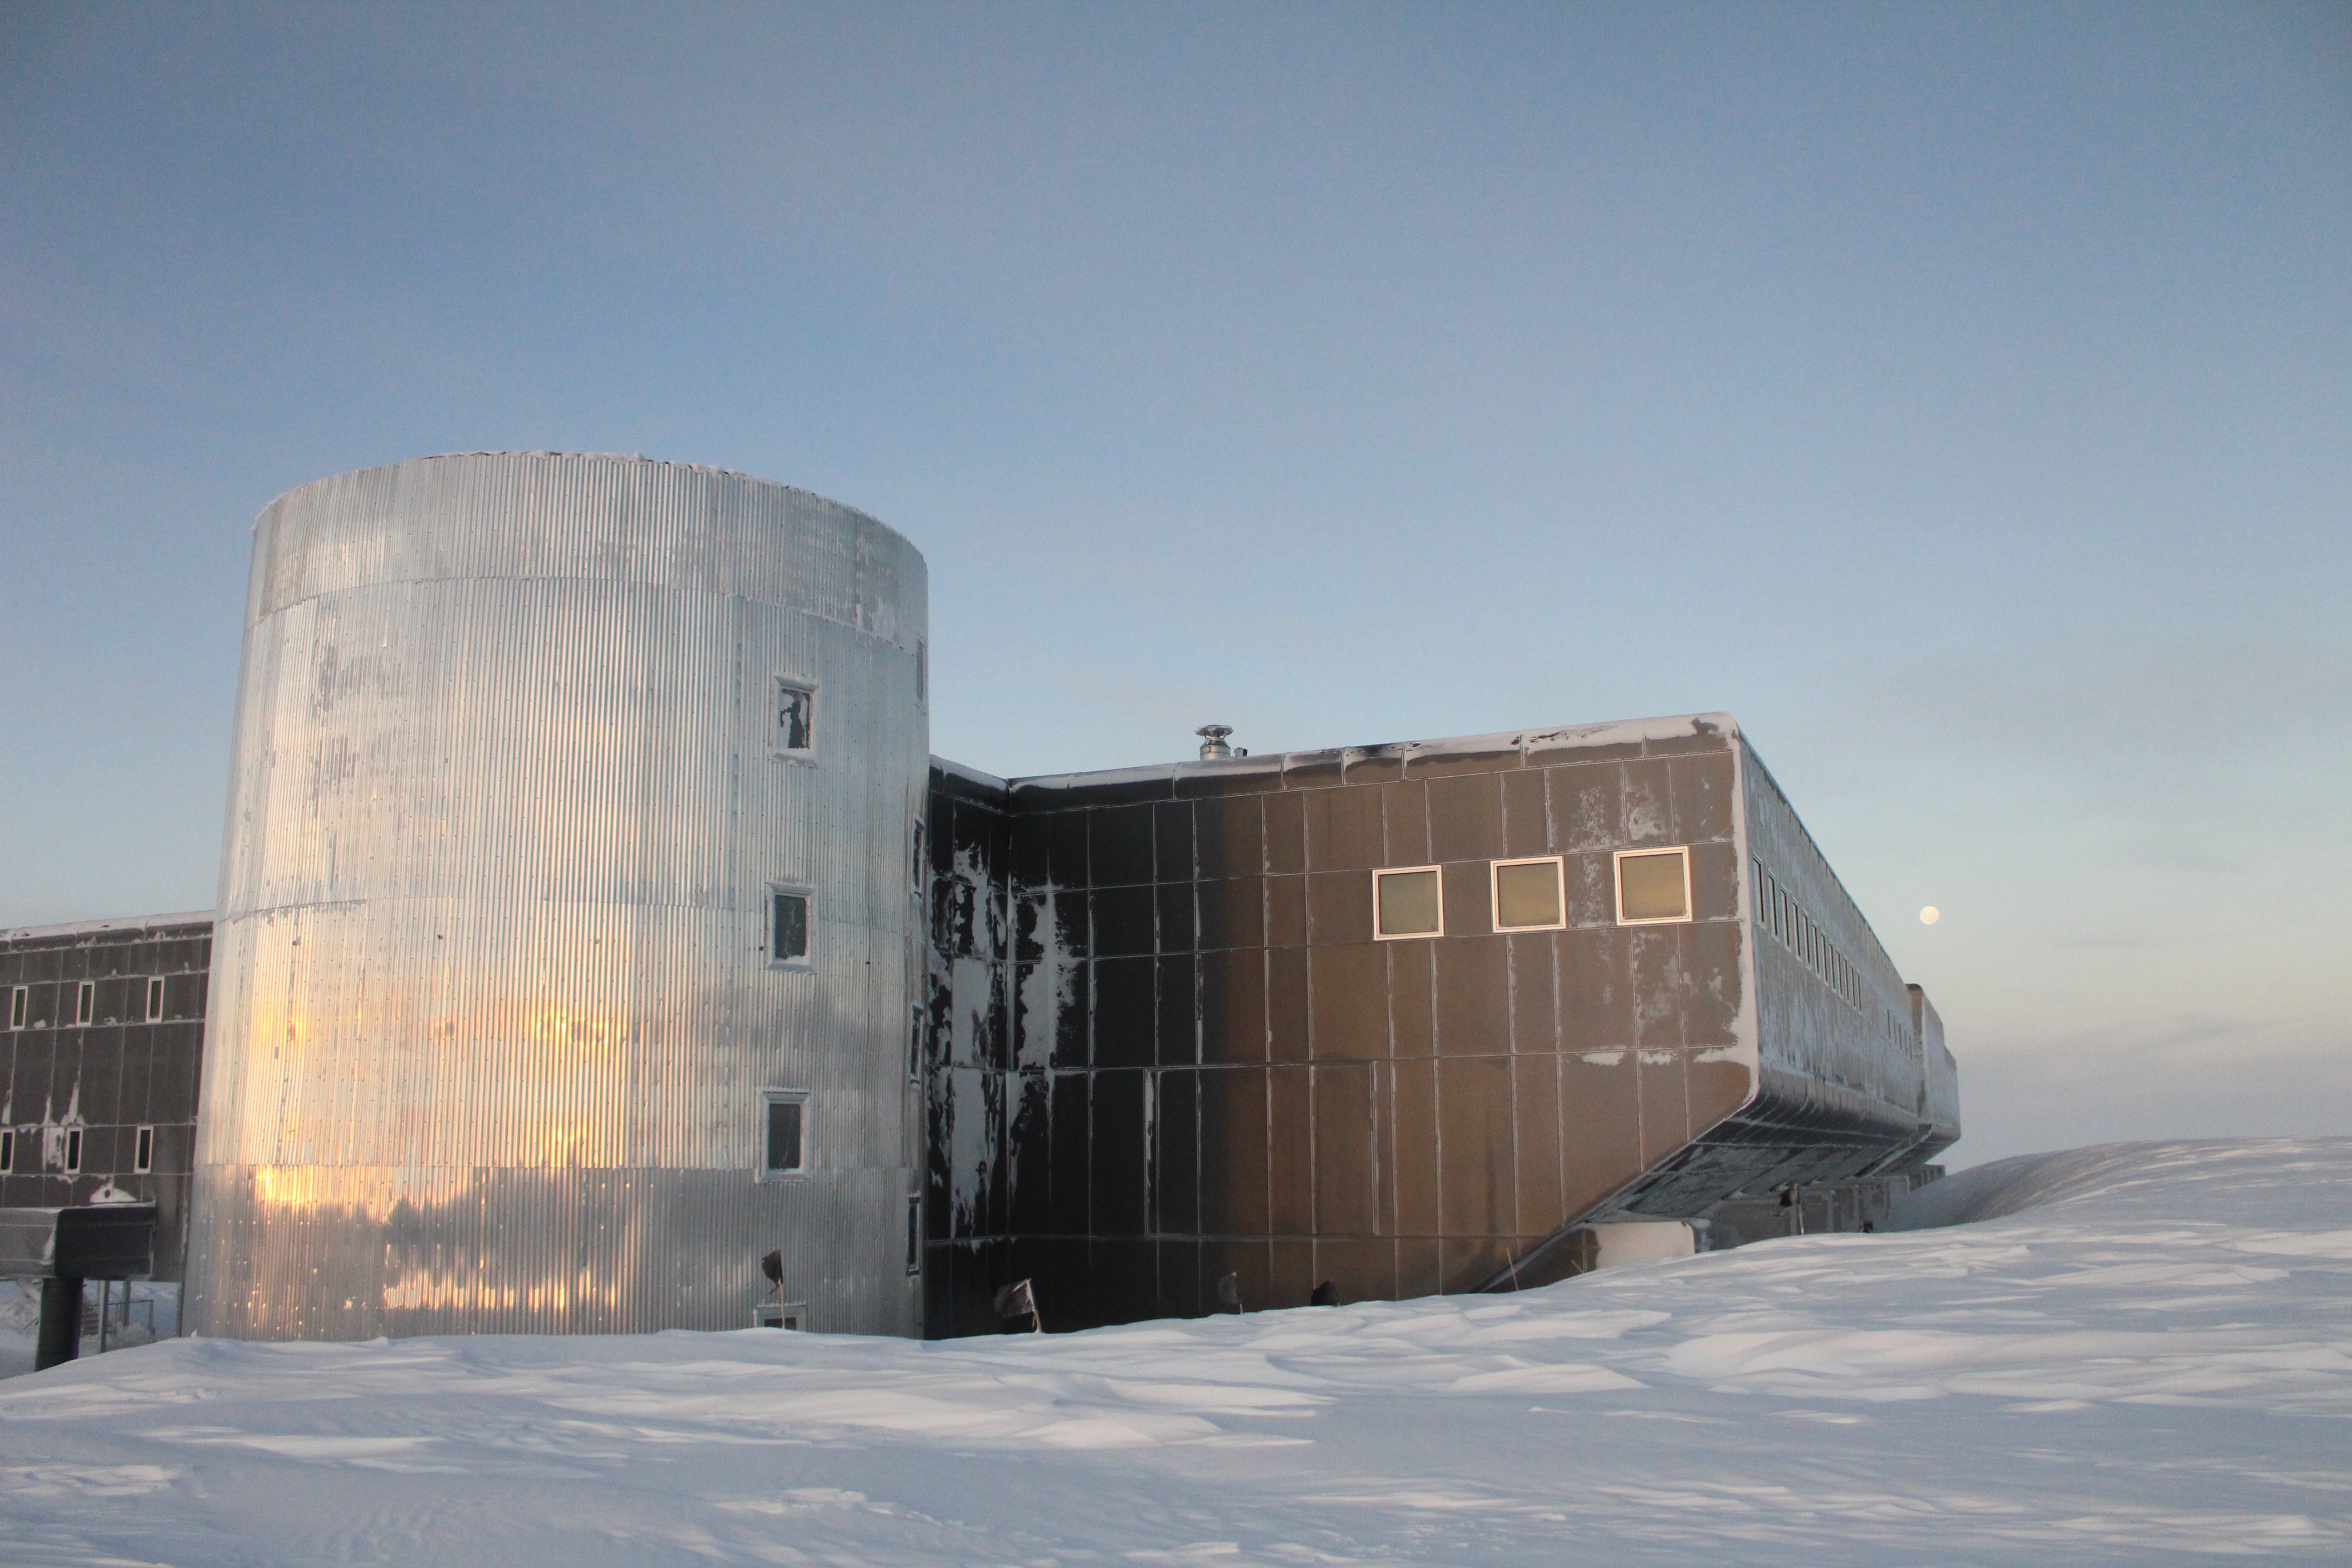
x=2128, y=1354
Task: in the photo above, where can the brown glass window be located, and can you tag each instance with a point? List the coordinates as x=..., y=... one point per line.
x=1405, y=903
x=1653, y=886
x=1530, y=895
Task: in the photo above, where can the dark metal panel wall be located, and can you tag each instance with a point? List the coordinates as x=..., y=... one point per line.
x=1232, y=1075
x=109, y=1078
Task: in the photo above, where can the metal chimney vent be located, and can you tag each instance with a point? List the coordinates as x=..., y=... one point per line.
x=1213, y=741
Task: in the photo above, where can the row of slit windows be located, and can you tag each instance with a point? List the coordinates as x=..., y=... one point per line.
x=142, y=1153
x=85, y=1002
x=1785, y=919
x=1652, y=888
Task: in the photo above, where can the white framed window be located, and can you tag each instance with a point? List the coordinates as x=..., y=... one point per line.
x=85, y=1001
x=1653, y=886
x=155, y=997
x=20, y=998
x=914, y=1235
x=791, y=926
x=791, y=1315
x=73, y=1150
x=792, y=724
x=144, y=1151
x=1531, y=894
x=1408, y=902
x=784, y=1133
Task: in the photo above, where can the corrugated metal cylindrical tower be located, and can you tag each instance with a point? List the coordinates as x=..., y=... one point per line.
x=567, y=923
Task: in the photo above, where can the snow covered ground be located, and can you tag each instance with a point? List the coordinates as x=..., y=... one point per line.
x=2144, y=1354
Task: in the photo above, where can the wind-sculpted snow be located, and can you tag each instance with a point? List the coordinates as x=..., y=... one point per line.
x=2147, y=1358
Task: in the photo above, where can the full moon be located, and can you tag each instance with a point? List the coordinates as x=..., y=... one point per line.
x=1931, y=915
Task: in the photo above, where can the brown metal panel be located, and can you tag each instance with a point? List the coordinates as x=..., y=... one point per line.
x=1338, y=906
x=1231, y=839
x=1249, y=1260
x=1419, y=1266
x=1413, y=1148
x=1453, y=760
x=1343, y=829
x=1596, y=1004
x=1232, y=913
x=1526, y=814
x=1589, y=883
x=1285, y=912
x=1467, y=1262
x=1535, y=1002
x=1535, y=1120
x=1233, y=1005
x=1468, y=892
x=1288, y=1038
x=1648, y=813
x=1344, y=1170
x=1405, y=824
x=1474, y=996
x=1587, y=805
x=1361, y=1268
x=1465, y=817
x=1718, y=1089
x=1412, y=1018
x=1708, y=989
x=1233, y=1151
x=1665, y=1102
x=1290, y=1150
x=1293, y=1273
x=1701, y=789
x=1599, y=1139
x=1285, y=833
x=1348, y=986
x=1480, y=1195
x=1716, y=871
x=1655, y=971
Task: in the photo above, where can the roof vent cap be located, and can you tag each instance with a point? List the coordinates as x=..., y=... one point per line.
x=1212, y=742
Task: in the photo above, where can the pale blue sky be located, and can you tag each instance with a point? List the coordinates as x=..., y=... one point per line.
x=1962, y=396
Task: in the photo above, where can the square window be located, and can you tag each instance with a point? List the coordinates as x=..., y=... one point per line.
x=85, y=1001
x=145, y=1160
x=783, y=1133
x=1405, y=903
x=795, y=723
x=1530, y=895
x=1653, y=886
x=788, y=927
x=154, y=999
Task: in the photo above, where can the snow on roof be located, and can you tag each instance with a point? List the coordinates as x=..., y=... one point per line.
x=93, y=928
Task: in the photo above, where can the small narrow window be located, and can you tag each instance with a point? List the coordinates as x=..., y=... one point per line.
x=144, y=1152
x=788, y=927
x=85, y=1001
x=1405, y=903
x=914, y=1236
x=915, y=1022
x=19, y=998
x=73, y=1149
x=922, y=671
x=1653, y=886
x=795, y=727
x=154, y=999
x=783, y=1133
x=1530, y=895
x=7, y=1150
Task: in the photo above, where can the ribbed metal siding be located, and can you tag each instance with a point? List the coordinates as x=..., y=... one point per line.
x=491, y=1008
